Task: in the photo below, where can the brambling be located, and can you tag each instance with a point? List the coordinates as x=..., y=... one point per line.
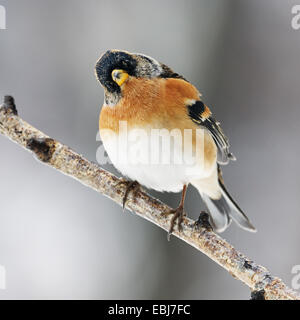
x=144, y=96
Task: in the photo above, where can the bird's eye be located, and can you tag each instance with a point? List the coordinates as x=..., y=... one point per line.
x=119, y=76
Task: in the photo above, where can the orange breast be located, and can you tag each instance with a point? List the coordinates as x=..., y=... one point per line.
x=157, y=104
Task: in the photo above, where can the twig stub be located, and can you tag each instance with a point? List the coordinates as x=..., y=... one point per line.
x=203, y=221
x=258, y=295
x=9, y=105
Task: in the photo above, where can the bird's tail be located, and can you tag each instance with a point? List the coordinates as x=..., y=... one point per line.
x=224, y=208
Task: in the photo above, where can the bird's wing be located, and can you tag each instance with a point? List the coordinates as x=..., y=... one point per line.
x=200, y=114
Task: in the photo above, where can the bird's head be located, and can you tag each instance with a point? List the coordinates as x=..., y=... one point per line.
x=115, y=67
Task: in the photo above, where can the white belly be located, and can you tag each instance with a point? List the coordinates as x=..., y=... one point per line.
x=155, y=163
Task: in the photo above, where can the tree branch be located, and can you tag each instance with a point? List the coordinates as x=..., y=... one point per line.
x=65, y=160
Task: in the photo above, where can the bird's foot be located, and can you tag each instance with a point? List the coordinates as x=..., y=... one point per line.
x=131, y=186
x=203, y=222
x=178, y=215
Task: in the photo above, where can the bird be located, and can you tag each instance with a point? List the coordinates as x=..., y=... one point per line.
x=145, y=99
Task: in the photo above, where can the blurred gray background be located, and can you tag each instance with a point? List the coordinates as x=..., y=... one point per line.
x=61, y=240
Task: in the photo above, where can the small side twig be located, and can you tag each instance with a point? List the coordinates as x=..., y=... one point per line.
x=258, y=295
x=65, y=160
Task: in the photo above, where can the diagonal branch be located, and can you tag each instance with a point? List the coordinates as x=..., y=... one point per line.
x=65, y=160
